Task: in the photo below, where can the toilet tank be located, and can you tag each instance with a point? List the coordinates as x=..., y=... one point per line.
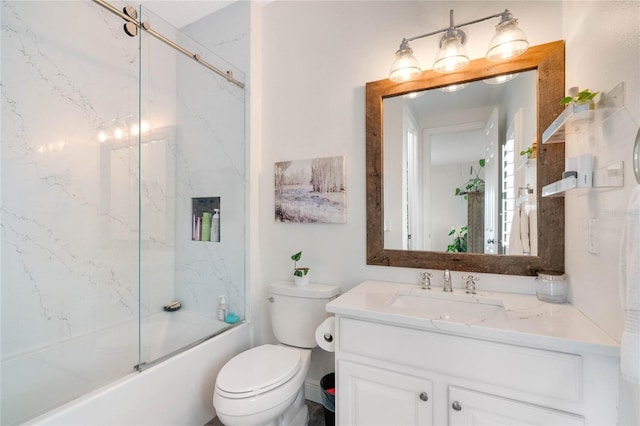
x=296, y=311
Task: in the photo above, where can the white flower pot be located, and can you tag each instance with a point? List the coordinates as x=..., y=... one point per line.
x=303, y=280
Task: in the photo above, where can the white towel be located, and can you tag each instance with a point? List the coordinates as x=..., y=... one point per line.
x=533, y=231
x=515, y=243
x=630, y=291
x=524, y=231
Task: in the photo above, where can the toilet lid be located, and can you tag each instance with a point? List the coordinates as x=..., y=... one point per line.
x=258, y=370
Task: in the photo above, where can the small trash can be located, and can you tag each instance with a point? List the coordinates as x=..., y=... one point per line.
x=328, y=385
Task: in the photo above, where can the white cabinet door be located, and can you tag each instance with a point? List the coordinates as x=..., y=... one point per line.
x=467, y=407
x=370, y=396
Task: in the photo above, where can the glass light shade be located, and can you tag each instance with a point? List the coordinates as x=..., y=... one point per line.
x=453, y=87
x=452, y=55
x=405, y=67
x=508, y=41
x=500, y=79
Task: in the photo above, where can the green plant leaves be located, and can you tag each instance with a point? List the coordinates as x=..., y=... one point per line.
x=584, y=95
x=459, y=244
x=299, y=272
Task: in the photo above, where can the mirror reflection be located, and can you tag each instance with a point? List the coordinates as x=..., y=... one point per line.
x=460, y=168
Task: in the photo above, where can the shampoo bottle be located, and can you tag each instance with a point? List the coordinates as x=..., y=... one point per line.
x=206, y=226
x=215, y=225
x=222, y=309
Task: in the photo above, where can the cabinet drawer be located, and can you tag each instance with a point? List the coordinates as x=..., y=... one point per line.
x=535, y=371
x=467, y=407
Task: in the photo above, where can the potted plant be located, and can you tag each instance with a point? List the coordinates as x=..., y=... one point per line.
x=583, y=97
x=301, y=275
x=475, y=184
x=581, y=102
x=529, y=152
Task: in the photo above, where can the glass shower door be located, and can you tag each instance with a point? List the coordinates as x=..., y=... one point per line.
x=192, y=167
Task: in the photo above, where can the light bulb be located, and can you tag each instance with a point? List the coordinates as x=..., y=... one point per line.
x=405, y=67
x=508, y=41
x=452, y=55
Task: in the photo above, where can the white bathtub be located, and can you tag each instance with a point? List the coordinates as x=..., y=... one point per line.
x=177, y=390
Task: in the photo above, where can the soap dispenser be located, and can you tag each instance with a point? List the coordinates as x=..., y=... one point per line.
x=222, y=308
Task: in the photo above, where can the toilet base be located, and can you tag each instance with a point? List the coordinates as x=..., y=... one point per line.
x=297, y=414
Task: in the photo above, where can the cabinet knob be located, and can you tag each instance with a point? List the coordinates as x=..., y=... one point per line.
x=456, y=406
x=271, y=299
x=424, y=396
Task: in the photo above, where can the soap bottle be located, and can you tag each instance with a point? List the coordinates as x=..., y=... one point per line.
x=215, y=225
x=206, y=227
x=222, y=308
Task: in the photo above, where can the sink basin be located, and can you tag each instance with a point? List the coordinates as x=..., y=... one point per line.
x=449, y=307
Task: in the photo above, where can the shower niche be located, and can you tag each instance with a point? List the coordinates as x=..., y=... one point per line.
x=205, y=219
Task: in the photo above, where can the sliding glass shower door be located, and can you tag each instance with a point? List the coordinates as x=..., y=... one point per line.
x=112, y=148
x=192, y=167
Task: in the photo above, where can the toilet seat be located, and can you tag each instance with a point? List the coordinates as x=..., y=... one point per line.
x=258, y=370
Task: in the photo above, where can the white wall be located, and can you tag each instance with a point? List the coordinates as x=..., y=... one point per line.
x=316, y=57
x=603, y=49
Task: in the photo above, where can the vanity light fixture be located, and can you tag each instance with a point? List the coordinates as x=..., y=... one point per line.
x=508, y=41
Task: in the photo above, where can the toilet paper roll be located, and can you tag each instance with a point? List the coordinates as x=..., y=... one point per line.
x=325, y=334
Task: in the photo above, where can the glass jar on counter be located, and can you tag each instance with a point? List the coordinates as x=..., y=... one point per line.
x=552, y=287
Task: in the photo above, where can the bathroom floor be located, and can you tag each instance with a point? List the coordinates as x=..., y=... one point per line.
x=316, y=416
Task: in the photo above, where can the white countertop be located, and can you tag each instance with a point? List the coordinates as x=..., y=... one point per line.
x=525, y=320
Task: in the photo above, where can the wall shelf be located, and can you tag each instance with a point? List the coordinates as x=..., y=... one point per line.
x=577, y=117
x=525, y=161
x=558, y=188
x=568, y=121
x=611, y=176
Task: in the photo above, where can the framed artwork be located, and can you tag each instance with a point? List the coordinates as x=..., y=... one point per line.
x=311, y=191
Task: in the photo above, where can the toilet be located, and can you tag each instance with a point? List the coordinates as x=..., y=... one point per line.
x=265, y=385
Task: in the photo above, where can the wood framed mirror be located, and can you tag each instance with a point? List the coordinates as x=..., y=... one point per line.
x=547, y=61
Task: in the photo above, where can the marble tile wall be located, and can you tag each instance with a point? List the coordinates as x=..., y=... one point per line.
x=70, y=201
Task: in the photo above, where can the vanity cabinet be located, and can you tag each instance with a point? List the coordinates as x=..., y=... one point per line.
x=376, y=396
x=397, y=375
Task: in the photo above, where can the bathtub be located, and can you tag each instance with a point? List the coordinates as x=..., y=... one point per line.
x=176, y=389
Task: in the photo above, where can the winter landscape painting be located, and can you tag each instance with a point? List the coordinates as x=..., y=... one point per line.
x=311, y=191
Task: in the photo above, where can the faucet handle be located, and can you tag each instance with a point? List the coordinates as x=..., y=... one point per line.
x=470, y=286
x=425, y=278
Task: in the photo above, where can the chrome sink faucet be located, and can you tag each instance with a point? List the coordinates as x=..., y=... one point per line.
x=425, y=280
x=447, y=281
x=470, y=286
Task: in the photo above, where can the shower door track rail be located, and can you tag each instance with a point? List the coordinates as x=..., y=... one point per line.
x=147, y=27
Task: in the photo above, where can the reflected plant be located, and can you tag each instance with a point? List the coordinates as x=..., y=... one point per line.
x=528, y=152
x=459, y=244
x=475, y=184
